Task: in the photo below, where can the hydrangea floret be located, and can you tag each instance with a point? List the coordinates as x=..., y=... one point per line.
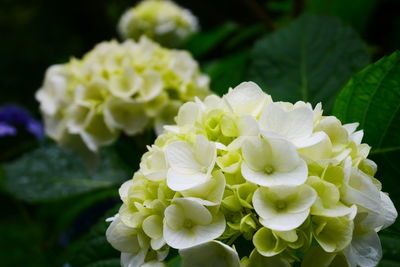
x=281, y=179
x=117, y=87
x=161, y=20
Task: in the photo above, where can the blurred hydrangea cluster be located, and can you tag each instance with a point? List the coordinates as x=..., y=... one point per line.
x=117, y=87
x=294, y=185
x=161, y=20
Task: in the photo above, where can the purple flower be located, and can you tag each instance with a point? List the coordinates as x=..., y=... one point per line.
x=6, y=129
x=13, y=117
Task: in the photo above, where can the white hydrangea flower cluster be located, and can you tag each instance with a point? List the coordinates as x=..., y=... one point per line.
x=242, y=169
x=161, y=20
x=118, y=87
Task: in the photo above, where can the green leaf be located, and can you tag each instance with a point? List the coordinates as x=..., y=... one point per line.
x=203, y=42
x=175, y=262
x=51, y=173
x=372, y=98
x=227, y=72
x=93, y=250
x=310, y=60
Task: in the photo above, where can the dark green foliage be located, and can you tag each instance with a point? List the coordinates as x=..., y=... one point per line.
x=310, y=60
x=51, y=173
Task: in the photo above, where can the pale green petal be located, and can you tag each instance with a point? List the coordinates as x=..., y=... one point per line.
x=195, y=234
x=317, y=147
x=78, y=116
x=267, y=244
x=152, y=226
x=257, y=260
x=333, y=234
x=125, y=115
x=210, y=193
x=124, y=189
x=174, y=217
x=210, y=254
x=282, y=208
x=316, y=256
x=151, y=87
x=97, y=133
x=303, y=199
x=122, y=237
x=125, y=84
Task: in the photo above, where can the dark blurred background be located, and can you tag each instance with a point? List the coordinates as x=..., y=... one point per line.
x=36, y=34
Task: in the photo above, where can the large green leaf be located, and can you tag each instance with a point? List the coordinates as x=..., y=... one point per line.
x=227, y=72
x=203, y=42
x=51, y=173
x=310, y=60
x=372, y=98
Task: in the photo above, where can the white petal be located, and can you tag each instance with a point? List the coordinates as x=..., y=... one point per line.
x=205, y=152
x=178, y=181
x=296, y=177
x=247, y=98
x=318, y=146
x=389, y=211
x=365, y=250
x=256, y=153
x=285, y=221
x=186, y=238
x=294, y=124
x=284, y=155
x=194, y=211
x=180, y=156
x=124, y=189
x=248, y=126
x=188, y=114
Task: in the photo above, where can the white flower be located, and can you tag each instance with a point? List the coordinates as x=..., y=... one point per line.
x=188, y=223
x=283, y=208
x=191, y=165
x=272, y=161
x=295, y=124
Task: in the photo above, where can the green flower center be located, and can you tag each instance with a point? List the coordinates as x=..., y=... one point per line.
x=187, y=223
x=269, y=169
x=281, y=205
